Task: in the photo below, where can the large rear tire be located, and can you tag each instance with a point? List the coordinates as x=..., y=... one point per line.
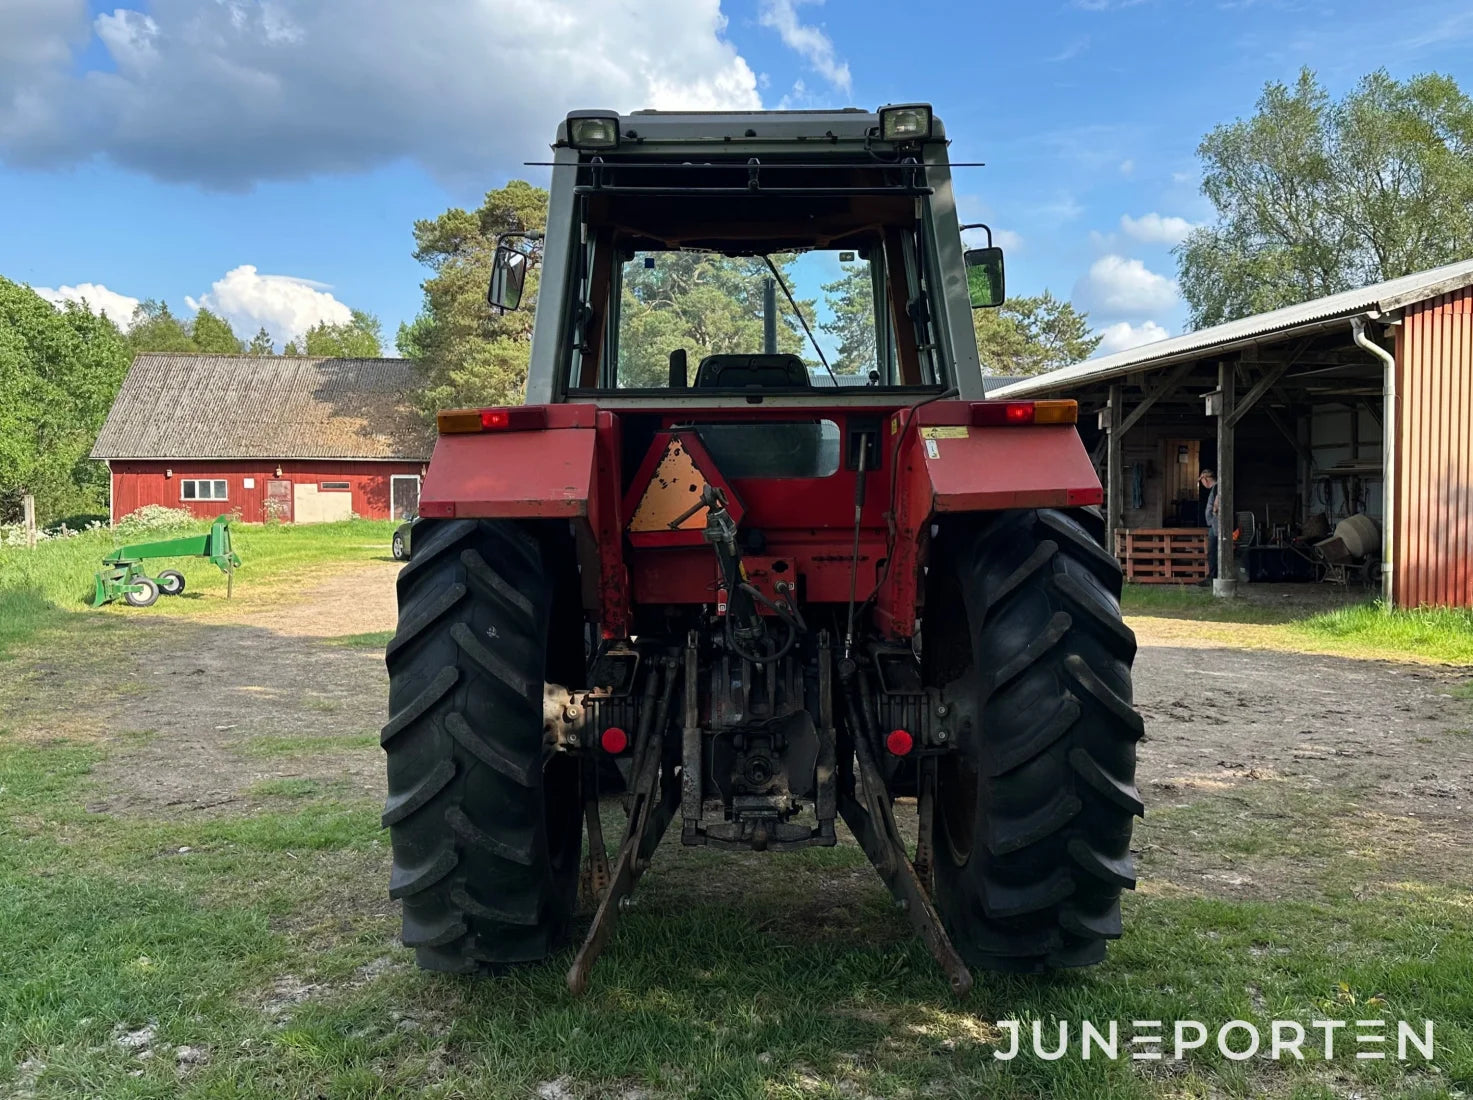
x=1034, y=811
x=484, y=819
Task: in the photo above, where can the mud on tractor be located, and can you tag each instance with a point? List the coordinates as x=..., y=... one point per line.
x=758, y=590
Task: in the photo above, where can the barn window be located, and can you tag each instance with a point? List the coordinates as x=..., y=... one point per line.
x=334, y=485
x=201, y=489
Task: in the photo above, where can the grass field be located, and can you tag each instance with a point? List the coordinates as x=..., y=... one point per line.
x=40, y=588
x=1364, y=629
x=247, y=949
x=244, y=957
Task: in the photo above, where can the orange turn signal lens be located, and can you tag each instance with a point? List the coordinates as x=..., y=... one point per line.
x=1056, y=412
x=453, y=421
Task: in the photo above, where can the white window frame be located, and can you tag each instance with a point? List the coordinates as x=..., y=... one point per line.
x=212, y=482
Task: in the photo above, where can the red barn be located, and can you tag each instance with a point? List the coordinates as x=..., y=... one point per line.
x=300, y=440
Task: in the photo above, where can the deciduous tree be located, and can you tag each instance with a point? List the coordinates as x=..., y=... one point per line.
x=359, y=338
x=59, y=372
x=213, y=335
x=1316, y=196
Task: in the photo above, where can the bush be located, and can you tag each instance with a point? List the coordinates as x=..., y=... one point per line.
x=14, y=534
x=155, y=517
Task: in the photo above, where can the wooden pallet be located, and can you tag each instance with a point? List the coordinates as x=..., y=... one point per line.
x=1163, y=555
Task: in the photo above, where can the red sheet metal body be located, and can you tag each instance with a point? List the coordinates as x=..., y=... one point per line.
x=582, y=468
x=515, y=474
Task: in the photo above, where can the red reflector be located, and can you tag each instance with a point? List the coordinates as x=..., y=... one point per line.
x=492, y=419
x=437, y=509
x=614, y=740
x=899, y=743
x=995, y=414
x=1085, y=496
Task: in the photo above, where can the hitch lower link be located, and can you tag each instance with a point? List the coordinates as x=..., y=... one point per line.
x=656, y=796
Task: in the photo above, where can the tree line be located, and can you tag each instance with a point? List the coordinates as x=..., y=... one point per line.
x=61, y=368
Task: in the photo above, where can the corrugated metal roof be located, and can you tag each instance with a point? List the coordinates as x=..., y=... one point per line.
x=1384, y=297
x=240, y=406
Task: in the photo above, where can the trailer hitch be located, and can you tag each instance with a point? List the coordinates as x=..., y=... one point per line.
x=653, y=801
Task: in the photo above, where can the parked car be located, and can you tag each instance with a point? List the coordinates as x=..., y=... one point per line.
x=401, y=546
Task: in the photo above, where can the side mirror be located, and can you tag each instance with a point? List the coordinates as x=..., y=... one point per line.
x=985, y=283
x=508, y=277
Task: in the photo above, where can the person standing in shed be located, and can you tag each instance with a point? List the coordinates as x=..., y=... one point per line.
x=1208, y=480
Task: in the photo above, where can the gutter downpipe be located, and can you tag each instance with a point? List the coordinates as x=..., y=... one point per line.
x=1388, y=452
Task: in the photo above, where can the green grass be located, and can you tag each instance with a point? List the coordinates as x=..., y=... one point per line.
x=373, y=639
x=40, y=587
x=265, y=941
x=1441, y=635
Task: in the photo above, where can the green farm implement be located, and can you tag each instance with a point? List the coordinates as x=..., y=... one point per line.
x=123, y=576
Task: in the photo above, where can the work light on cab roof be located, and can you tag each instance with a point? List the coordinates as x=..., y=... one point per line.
x=759, y=554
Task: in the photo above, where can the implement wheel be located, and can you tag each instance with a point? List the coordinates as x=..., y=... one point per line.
x=170, y=582
x=145, y=598
x=484, y=820
x=1034, y=811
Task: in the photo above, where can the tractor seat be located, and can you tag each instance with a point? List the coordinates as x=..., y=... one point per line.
x=764, y=372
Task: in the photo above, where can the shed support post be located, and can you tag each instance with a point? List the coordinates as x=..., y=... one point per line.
x=1226, y=583
x=1113, y=472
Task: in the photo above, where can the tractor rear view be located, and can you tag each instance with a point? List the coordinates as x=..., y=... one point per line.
x=766, y=565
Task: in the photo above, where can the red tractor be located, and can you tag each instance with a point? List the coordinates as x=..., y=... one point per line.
x=761, y=561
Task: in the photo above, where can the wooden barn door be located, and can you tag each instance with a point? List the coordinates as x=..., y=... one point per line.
x=278, y=500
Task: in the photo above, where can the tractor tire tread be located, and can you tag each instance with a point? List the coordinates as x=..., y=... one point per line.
x=485, y=824
x=1049, y=734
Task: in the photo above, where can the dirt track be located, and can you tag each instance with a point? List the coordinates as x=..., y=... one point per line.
x=215, y=710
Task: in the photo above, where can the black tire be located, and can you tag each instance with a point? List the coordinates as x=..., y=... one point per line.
x=146, y=598
x=396, y=547
x=485, y=823
x=1034, y=811
x=170, y=582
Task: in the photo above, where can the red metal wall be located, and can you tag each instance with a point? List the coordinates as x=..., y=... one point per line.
x=136, y=483
x=1433, y=554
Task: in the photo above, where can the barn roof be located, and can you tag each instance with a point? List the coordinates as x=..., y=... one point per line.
x=1261, y=328
x=240, y=406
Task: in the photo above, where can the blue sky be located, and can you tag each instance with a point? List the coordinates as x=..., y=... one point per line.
x=268, y=157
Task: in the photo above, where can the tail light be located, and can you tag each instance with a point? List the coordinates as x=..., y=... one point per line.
x=614, y=740
x=997, y=414
x=520, y=418
x=899, y=743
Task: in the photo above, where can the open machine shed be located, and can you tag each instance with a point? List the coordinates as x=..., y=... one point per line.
x=1312, y=409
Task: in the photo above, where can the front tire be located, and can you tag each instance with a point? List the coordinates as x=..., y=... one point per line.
x=483, y=818
x=1034, y=811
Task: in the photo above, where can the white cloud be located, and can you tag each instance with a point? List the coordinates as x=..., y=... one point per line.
x=95, y=297
x=1127, y=167
x=285, y=305
x=1117, y=286
x=1154, y=229
x=1072, y=50
x=806, y=40
x=230, y=93
x=1122, y=336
